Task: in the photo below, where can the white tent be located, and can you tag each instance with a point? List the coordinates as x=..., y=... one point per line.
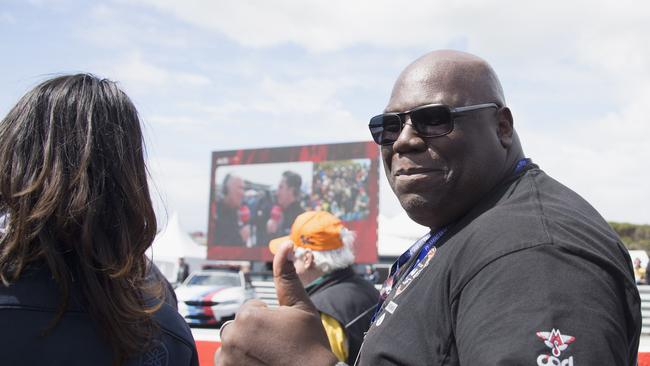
x=398, y=233
x=172, y=243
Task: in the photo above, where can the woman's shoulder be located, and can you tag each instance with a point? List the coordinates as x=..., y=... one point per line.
x=174, y=343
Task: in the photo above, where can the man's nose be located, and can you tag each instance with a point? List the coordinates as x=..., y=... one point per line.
x=408, y=139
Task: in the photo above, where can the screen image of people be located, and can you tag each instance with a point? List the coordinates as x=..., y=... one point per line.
x=287, y=207
x=258, y=202
x=255, y=203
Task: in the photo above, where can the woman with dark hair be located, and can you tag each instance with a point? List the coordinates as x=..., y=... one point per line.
x=78, y=220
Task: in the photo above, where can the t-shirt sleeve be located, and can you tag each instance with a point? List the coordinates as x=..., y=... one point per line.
x=336, y=336
x=545, y=306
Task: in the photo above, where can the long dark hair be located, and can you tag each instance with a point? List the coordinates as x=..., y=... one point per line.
x=73, y=184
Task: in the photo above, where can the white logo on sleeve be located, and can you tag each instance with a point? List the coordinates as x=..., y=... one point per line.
x=558, y=343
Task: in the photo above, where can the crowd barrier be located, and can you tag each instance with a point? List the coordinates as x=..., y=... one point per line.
x=644, y=292
x=265, y=291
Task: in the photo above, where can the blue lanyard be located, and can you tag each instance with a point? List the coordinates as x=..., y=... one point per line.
x=422, y=246
x=521, y=164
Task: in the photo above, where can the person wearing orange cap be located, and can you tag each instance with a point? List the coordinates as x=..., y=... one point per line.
x=323, y=258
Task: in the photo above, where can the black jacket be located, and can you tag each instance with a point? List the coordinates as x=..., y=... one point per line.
x=350, y=300
x=29, y=305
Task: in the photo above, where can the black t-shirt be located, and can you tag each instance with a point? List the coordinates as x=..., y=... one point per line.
x=29, y=305
x=531, y=276
x=349, y=299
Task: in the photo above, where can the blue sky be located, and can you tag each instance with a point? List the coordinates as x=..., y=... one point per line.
x=219, y=75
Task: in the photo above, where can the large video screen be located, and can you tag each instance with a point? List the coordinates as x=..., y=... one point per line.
x=256, y=194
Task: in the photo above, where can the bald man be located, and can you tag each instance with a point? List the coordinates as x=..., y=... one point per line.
x=517, y=269
x=230, y=230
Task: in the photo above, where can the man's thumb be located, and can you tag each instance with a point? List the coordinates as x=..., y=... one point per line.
x=287, y=284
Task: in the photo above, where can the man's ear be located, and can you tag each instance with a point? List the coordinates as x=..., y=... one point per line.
x=505, y=129
x=308, y=258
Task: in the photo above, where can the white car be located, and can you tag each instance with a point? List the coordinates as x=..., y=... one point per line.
x=211, y=297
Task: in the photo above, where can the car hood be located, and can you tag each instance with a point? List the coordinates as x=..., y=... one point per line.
x=204, y=292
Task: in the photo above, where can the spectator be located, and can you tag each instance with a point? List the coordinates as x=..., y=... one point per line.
x=323, y=260
x=183, y=270
x=639, y=272
x=73, y=270
x=371, y=275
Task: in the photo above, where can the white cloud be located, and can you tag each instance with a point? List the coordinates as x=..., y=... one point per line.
x=7, y=18
x=315, y=25
x=547, y=52
x=180, y=185
x=604, y=160
x=533, y=39
x=177, y=122
x=333, y=25
x=308, y=109
x=135, y=72
x=51, y=3
x=307, y=95
x=189, y=78
x=121, y=27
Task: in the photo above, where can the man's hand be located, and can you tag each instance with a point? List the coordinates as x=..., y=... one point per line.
x=291, y=334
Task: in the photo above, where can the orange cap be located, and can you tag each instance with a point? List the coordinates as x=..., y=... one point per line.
x=315, y=230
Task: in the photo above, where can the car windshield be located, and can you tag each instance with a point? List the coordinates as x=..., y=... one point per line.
x=215, y=279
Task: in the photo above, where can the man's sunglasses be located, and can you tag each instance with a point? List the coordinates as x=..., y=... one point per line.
x=431, y=120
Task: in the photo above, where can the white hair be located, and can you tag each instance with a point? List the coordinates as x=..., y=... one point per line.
x=330, y=260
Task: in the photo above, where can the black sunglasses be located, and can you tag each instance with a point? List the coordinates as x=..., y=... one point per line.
x=431, y=120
